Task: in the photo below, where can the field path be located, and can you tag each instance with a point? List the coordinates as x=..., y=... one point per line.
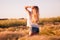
x=41, y=37
x=10, y=35
x=19, y=36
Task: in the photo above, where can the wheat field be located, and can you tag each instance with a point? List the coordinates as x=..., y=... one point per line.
x=16, y=29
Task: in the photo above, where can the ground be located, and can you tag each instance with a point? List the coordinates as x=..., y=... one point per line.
x=47, y=32
x=17, y=36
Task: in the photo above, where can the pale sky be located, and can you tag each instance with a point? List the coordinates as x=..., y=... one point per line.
x=15, y=8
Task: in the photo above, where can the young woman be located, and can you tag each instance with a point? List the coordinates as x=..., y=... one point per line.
x=33, y=19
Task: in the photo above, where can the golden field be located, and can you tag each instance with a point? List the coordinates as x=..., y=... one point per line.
x=16, y=29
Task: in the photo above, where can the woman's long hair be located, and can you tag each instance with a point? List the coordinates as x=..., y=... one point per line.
x=37, y=13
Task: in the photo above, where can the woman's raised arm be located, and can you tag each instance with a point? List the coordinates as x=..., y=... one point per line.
x=26, y=8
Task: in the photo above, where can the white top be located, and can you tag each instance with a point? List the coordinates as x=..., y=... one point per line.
x=29, y=22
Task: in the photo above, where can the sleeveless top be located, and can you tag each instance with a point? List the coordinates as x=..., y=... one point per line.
x=29, y=22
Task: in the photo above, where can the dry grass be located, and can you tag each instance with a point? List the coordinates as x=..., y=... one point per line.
x=13, y=29
x=21, y=32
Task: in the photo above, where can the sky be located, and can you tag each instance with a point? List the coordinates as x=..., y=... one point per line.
x=15, y=8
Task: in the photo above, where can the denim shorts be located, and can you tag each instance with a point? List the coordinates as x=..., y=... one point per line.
x=34, y=29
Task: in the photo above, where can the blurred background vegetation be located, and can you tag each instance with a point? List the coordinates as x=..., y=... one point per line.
x=23, y=22
x=47, y=26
